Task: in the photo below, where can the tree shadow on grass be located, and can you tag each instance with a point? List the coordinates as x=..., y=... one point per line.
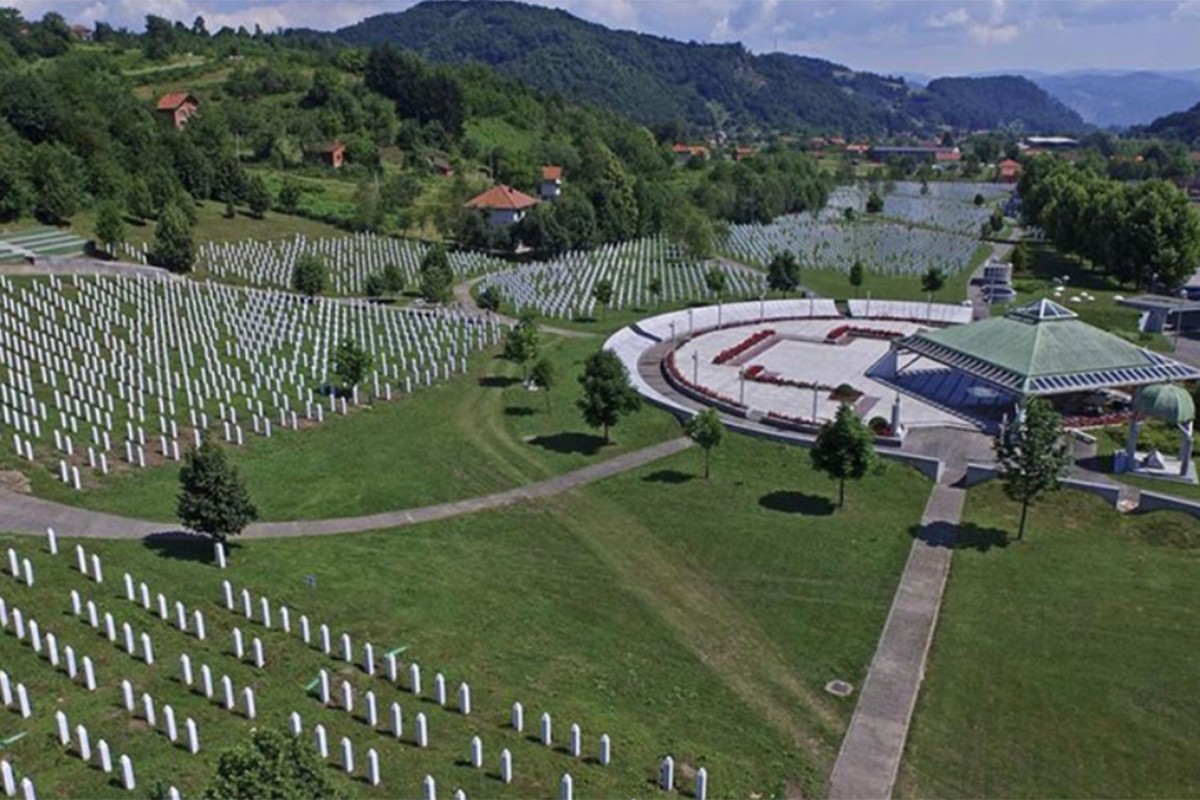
x=519, y=411
x=583, y=443
x=965, y=536
x=498, y=381
x=671, y=476
x=789, y=502
x=185, y=546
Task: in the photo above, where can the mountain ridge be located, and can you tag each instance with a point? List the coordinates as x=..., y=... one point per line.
x=654, y=80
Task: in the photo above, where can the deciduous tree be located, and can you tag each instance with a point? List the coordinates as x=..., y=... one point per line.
x=1032, y=457
x=607, y=393
x=707, y=431
x=309, y=275
x=845, y=448
x=212, y=497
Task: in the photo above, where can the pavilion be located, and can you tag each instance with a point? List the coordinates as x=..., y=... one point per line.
x=1038, y=350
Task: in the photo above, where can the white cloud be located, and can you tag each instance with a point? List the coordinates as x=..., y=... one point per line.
x=956, y=18
x=994, y=34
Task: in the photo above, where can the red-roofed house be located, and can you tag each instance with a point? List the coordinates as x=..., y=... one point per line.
x=1008, y=171
x=331, y=154
x=947, y=155
x=178, y=107
x=551, y=187
x=687, y=151
x=742, y=153
x=504, y=204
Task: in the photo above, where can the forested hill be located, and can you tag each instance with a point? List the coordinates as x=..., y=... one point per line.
x=657, y=80
x=1182, y=126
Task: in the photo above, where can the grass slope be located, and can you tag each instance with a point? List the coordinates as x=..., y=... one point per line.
x=680, y=616
x=478, y=433
x=1064, y=666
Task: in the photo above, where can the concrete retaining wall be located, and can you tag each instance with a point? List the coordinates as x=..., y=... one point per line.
x=1109, y=492
x=1152, y=501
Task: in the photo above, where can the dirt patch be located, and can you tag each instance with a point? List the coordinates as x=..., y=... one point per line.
x=15, y=481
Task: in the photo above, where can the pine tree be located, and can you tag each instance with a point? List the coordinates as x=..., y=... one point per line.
x=212, y=497
x=258, y=197
x=437, y=278
x=173, y=246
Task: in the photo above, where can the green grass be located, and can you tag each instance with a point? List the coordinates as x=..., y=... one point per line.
x=682, y=616
x=1104, y=312
x=213, y=226
x=1064, y=666
x=836, y=284
x=478, y=433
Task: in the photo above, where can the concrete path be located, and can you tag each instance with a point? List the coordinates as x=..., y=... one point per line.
x=463, y=296
x=869, y=759
x=21, y=513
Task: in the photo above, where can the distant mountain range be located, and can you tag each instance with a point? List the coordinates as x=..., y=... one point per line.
x=1112, y=98
x=656, y=80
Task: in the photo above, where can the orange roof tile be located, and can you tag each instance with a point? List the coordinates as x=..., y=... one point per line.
x=552, y=173
x=502, y=197
x=172, y=101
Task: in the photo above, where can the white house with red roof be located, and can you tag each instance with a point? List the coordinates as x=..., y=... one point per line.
x=551, y=187
x=178, y=107
x=503, y=204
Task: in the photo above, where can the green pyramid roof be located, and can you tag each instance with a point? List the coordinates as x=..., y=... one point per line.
x=1044, y=348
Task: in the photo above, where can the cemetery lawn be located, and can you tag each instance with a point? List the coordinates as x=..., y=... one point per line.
x=477, y=433
x=213, y=226
x=682, y=616
x=836, y=284
x=1063, y=666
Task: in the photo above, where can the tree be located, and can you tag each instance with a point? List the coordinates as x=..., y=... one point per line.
x=607, y=393
x=490, y=299
x=1020, y=259
x=309, y=275
x=351, y=363
x=289, y=196
x=212, y=497
x=1031, y=456
x=544, y=377
x=138, y=201
x=857, y=275
x=979, y=200
x=258, y=196
x=270, y=763
x=521, y=343
x=655, y=287
x=874, y=203
x=783, y=273
x=373, y=285
x=173, y=246
x=845, y=448
x=110, y=227
x=393, y=279
x=602, y=293
x=707, y=431
x=437, y=279
x=933, y=280
x=715, y=280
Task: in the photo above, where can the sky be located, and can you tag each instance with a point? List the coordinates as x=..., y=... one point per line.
x=933, y=37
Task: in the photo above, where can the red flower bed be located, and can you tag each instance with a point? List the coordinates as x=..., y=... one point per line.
x=1098, y=421
x=730, y=353
x=843, y=331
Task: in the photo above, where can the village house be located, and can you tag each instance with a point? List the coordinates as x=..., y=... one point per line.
x=504, y=205
x=551, y=188
x=178, y=107
x=329, y=154
x=1008, y=171
x=684, y=152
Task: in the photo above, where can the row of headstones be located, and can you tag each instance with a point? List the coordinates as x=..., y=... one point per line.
x=15, y=696
x=83, y=747
x=195, y=627
x=93, y=619
x=228, y=694
x=8, y=782
x=666, y=779
x=32, y=635
x=149, y=714
x=20, y=569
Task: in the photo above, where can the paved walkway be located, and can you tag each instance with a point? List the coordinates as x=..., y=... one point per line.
x=463, y=296
x=21, y=513
x=869, y=759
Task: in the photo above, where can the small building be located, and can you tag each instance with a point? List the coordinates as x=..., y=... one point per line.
x=1009, y=171
x=1050, y=142
x=926, y=153
x=330, y=154
x=688, y=151
x=504, y=205
x=81, y=32
x=440, y=163
x=551, y=187
x=178, y=107
x=742, y=153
